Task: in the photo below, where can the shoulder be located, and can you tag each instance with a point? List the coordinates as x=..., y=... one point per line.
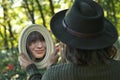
x=59, y=67
x=55, y=70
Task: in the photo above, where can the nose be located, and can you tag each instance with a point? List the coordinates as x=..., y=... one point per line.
x=39, y=44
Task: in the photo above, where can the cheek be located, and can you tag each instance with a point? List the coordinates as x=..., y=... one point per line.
x=31, y=48
x=44, y=45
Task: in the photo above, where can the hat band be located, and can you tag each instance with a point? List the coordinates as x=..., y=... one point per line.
x=78, y=34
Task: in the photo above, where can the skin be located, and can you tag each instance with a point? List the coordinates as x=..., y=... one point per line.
x=38, y=49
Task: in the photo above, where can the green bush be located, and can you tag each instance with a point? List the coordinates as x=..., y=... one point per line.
x=9, y=66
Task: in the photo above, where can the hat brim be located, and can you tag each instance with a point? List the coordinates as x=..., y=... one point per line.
x=107, y=38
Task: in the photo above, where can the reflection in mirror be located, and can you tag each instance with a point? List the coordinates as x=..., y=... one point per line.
x=35, y=46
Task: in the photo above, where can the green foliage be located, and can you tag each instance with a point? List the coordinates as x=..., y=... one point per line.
x=111, y=8
x=9, y=66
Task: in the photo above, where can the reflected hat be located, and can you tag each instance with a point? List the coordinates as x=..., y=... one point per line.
x=84, y=26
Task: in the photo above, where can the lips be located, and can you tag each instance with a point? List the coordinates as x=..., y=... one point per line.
x=40, y=51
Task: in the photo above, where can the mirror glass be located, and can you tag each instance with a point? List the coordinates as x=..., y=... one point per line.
x=36, y=43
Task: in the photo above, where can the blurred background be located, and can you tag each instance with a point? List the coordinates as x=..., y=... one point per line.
x=17, y=14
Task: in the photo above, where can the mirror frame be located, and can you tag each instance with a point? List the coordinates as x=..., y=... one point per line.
x=48, y=40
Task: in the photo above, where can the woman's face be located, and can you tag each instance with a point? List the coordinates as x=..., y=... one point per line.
x=38, y=49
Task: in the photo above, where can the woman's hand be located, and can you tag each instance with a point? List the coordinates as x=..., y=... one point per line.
x=24, y=62
x=54, y=56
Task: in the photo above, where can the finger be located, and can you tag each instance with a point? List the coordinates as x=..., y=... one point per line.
x=56, y=52
x=22, y=59
x=19, y=60
x=24, y=56
x=57, y=46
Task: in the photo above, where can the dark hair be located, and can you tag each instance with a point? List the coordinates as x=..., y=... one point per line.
x=33, y=37
x=89, y=57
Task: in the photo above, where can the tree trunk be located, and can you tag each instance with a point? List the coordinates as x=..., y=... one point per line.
x=41, y=12
x=30, y=11
x=52, y=7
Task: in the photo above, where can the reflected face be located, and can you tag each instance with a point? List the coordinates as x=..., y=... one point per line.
x=38, y=49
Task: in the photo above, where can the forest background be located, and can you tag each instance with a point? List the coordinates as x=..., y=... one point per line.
x=17, y=14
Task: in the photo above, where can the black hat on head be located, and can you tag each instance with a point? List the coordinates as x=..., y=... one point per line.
x=84, y=26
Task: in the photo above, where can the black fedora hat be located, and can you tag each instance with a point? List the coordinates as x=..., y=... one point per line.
x=84, y=26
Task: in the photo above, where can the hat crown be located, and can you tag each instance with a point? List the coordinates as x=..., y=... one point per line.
x=85, y=17
x=86, y=10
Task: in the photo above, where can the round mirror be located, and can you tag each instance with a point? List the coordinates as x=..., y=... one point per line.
x=36, y=43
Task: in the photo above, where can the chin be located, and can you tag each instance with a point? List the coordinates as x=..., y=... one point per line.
x=39, y=56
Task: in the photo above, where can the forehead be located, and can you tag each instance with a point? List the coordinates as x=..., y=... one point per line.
x=34, y=36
